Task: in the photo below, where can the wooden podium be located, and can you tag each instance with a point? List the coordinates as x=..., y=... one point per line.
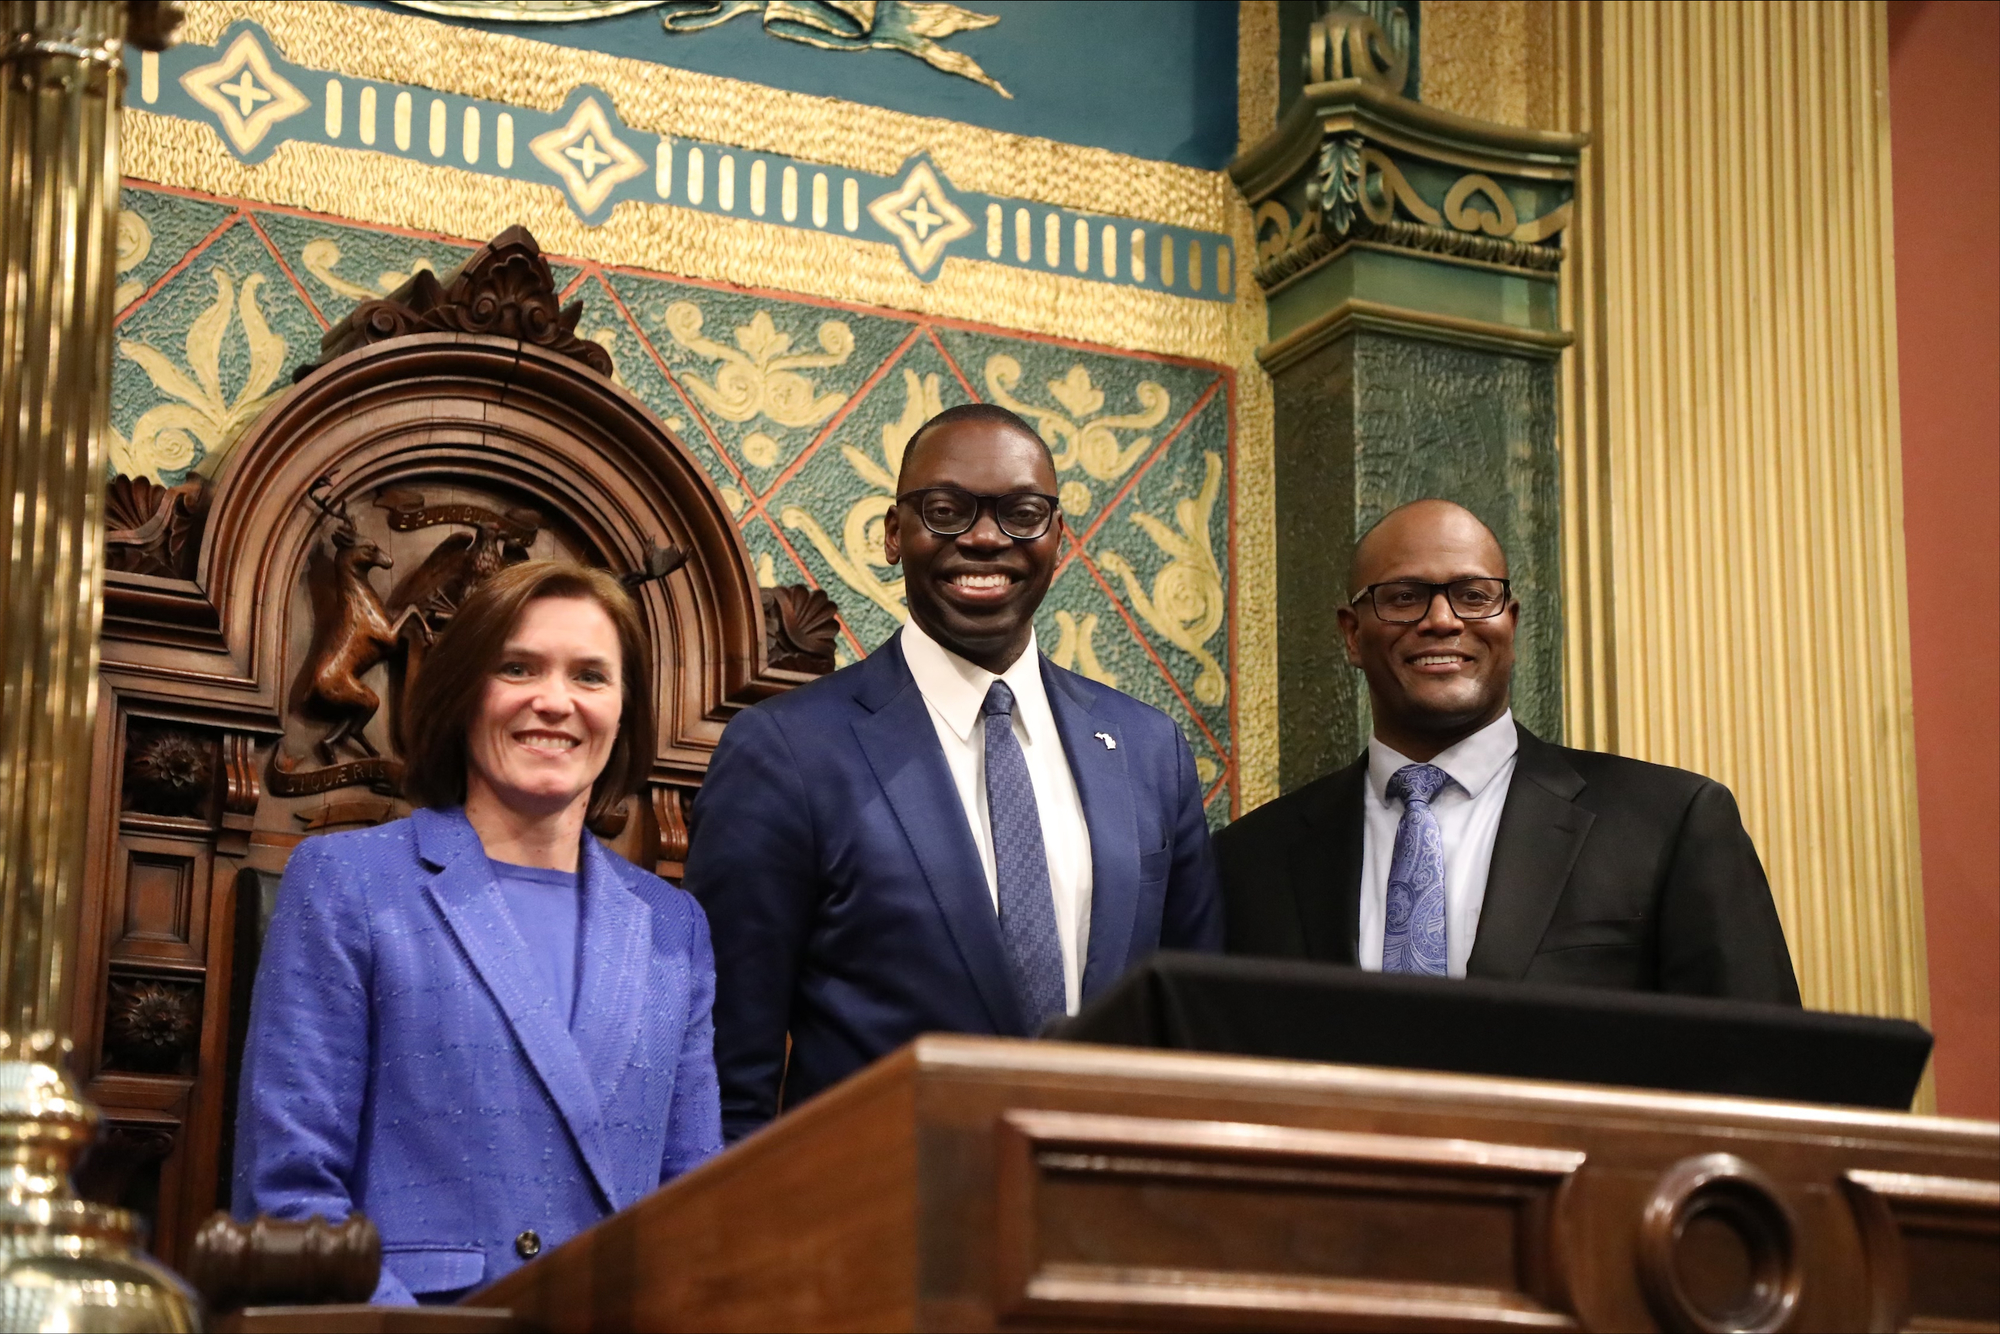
x=977, y=1183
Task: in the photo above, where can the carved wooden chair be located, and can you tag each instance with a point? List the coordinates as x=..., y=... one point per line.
x=258, y=635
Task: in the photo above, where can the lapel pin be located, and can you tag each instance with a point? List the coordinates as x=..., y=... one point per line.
x=1105, y=737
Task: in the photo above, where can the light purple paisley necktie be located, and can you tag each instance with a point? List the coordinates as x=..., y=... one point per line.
x=1413, y=923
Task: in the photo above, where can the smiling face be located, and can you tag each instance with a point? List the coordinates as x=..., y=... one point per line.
x=549, y=717
x=975, y=593
x=1436, y=681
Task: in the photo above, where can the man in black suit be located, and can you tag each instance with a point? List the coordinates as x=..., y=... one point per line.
x=1460, y=844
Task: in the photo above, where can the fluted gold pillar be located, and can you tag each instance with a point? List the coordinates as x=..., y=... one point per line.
x=1732, y=473
x=57, y=225
x=64, y=1264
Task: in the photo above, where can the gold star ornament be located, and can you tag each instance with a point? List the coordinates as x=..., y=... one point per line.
x=922, y=218
x=244, y=94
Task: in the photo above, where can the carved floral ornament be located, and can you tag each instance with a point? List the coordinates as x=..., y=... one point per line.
x=1358, y=192
x=1361, y=39
x=1357, y=161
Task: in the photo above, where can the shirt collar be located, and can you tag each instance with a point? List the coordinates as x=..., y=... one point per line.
x=957, y=688
x=1472, y=763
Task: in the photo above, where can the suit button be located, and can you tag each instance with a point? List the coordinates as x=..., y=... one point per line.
x=528, y=1245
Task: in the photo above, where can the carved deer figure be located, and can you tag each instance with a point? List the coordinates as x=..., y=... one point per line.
x=352, y=632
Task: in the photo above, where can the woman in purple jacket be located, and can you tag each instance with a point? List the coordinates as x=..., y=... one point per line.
x=477, y=1025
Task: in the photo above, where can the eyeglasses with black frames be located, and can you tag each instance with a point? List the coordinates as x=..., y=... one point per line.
x=1407, y=601
x=949, y=511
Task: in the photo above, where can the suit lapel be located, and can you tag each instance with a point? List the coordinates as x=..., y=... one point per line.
x=1541, y=832
x=470, y=902
x=1105, y=788
x=613, y=971
x=902, y=748
x=1327, y=888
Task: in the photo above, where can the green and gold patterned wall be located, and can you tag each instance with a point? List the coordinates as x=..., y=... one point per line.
x=792, y=326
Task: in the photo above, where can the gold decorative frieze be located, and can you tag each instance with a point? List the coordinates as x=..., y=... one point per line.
x=259, y=100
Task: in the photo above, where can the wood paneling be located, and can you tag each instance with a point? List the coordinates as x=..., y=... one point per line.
x=978, y=1183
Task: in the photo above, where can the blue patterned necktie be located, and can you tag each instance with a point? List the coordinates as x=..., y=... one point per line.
x=1413, y=923
x=1021, y=865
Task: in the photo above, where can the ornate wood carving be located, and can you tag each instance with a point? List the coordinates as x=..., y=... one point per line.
x=169, y=771
x=505, y=288
x=800, y=625
x=339, y=536
x=669, y=814
x=118, y=1166
x=1932, y=1245
x=436, y=588
x=268, y=1261
x=351, y=633
x=154, y=529
x=1067, y=1183
x=150, y=1024
x=1718, y=1248
x=241, y=787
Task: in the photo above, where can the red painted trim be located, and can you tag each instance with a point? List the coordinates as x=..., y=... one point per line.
x=1147, y=644
x=286, y=268
x=952, y=362
x=841, y=414
x=179, y=267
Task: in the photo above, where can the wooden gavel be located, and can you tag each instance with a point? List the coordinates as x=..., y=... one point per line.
x=272, y=1262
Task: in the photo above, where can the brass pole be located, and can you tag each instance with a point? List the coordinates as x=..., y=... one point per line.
x=64, y=1264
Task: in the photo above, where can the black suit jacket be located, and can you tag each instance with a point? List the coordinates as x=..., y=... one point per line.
x=1606, y=872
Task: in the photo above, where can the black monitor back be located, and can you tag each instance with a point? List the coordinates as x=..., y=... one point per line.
x=1687, y=1044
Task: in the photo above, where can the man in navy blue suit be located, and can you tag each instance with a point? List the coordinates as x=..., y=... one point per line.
x=953, y=834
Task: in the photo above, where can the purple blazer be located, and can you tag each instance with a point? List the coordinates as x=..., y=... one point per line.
x=405, y=1059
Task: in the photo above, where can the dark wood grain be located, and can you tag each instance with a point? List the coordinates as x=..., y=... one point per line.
x=971, y=1183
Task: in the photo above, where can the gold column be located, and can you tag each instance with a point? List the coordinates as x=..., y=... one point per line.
x=64, y=1264
x=1732, y=472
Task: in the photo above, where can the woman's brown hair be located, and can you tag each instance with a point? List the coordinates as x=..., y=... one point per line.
x=448, y=690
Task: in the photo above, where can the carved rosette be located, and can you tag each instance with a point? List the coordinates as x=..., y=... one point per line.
x=505, y=289
x=151, y=1024
x=170, y=771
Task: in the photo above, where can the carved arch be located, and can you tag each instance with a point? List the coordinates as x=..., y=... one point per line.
x=442, y=410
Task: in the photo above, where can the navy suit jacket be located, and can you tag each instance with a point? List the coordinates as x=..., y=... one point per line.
x=845, y=894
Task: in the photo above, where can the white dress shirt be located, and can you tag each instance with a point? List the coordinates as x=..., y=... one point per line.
x=954, y=690
x=1468, y=816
